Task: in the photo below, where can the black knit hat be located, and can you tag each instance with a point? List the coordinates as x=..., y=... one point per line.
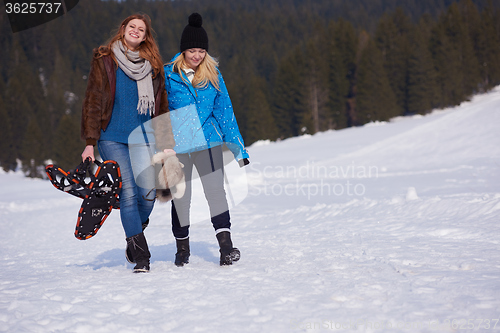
x=194, y=36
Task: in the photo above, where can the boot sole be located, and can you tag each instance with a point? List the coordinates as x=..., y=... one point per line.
x=234, y=256
x=181, y=263
x=141, y=270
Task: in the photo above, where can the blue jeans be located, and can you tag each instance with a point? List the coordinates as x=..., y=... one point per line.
x=136, y=203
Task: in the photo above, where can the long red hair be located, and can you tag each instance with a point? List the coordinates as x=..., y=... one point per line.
x=148, y=49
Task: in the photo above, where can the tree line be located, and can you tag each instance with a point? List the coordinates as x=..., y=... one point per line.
x=291, y=66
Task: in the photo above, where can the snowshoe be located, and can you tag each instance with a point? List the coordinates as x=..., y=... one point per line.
x=74, y=181
x=99, y=192
x=104, y=188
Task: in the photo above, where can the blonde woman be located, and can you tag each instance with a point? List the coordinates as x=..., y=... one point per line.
x=202, y=121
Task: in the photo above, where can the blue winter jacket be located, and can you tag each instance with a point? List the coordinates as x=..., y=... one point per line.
x=201, y=118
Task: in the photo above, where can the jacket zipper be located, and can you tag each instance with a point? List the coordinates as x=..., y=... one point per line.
x=215, y=128
x=242, y=145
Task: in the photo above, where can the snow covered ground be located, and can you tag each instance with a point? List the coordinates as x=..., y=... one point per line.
x=389, y=227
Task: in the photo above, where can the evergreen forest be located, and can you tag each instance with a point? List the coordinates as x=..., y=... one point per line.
x=292, y=67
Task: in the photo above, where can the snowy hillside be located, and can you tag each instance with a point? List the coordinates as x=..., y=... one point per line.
x=389, y=227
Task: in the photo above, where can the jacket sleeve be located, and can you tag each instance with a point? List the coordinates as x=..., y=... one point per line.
x=223, y=112
x=94, y=102
x=161, y=124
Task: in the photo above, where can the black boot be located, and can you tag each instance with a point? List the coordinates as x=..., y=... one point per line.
x=128, y=253
x=182, y=255
x=228, y=253
x=140, y=252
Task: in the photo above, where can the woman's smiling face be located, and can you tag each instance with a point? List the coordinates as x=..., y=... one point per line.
x=193, y=57
x=134, y=33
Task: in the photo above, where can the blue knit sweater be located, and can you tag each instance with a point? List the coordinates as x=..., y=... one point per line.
x=125, y=117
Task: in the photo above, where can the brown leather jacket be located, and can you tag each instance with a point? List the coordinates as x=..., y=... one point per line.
x=99, y=99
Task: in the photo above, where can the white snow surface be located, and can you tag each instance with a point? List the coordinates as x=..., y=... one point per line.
x=389, y=227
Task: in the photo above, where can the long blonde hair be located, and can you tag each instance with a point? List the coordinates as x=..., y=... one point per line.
x=205, y=73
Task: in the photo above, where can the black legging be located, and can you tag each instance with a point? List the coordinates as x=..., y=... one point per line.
x=210, y=166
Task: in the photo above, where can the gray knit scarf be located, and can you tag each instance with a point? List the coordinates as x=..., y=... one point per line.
x=139, y=70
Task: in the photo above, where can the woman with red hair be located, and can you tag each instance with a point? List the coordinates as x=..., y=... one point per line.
x=126, y=89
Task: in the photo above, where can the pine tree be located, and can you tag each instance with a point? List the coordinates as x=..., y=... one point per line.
x=260, y=122
x=463, y=40
x=289, y=104
x=7, y=158
x=44, y=36
x=392, y=38
x=60, y=98
x=237, y=76
x=457, y=65
x=16, y=101
x=447, y=63
x=5, y=45
x=24, y=99
x=496, y=17
x=315, y=83
x=422, y=87
x=474, y=26
x=375, y=99
x=32, y=150
x=342, y=70
x=67, y=145
x=488, y=50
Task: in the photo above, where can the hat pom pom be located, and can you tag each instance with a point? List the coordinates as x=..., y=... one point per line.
x=195, y=20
